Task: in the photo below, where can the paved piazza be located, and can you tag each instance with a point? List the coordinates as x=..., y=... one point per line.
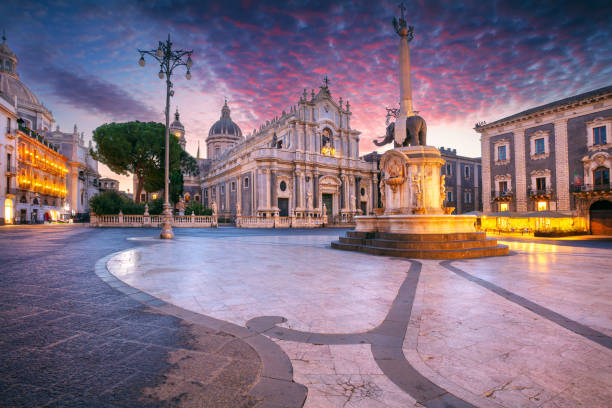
x=278, y=316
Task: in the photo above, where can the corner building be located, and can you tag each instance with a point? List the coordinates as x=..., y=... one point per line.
x=555, y=157
x=294, y=165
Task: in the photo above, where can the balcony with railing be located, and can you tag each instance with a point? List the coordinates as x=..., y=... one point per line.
x=591, y=189
x=539, y=194
x=10, y=133
x=10, y=170
x=502, y=195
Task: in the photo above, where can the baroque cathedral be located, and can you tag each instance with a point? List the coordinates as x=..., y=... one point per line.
x=302, y=163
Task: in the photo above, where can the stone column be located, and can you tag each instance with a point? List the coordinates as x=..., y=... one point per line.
x=297, y=191
x=406, y=110
x=357, y=192
x=303, y=189
x=459, y=192
x=74, y=189
x=273, y=200
x=315, y=189
x=268, y=189
x=486, y=172
x=520, y=173
x=228, y=191
x=239, y=194
x=374, y=195
x=562, y=165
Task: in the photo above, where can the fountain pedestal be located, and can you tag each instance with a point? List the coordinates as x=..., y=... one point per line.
x=414, y=223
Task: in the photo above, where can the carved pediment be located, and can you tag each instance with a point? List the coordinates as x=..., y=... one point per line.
x=503, y=177
x=540, y=173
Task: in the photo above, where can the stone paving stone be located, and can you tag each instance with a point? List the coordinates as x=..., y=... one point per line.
x=23, y=395
x=68, y=339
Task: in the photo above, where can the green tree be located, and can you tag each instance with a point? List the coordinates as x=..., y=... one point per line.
x=197, y=208
x=130, y=148
x=186, y=164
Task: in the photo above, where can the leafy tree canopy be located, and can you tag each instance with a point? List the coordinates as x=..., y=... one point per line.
x=138, y=148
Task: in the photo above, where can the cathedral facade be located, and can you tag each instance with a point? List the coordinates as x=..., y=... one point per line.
x=304, y=163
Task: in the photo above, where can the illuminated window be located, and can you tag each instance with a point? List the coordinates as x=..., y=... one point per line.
x=542, y=205
x=503, y=206
x=155, y=196
x=599, y=135
x=187, y=197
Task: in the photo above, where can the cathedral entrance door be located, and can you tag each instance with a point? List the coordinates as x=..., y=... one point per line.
x=328, y=201
x=283, y=206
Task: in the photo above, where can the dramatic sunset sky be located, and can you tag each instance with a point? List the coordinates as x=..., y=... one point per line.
x=471, y=61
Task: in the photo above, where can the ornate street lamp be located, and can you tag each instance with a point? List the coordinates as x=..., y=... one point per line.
x=168, y=60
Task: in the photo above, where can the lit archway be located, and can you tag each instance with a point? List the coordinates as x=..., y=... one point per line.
x=600, y=215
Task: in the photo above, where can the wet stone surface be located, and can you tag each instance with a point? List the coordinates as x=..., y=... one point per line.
x=68, y=339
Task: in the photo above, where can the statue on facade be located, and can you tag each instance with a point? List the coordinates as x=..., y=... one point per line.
x=146, y=211
x=238, y=212
x=213, y=207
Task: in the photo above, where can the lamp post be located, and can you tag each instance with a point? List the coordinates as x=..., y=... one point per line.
x=168, y=60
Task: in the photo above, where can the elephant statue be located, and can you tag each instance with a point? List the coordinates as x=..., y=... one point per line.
x=416, y=133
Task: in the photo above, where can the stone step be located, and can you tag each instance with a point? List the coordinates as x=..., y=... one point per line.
x=462, y=236
x=480, y=252
x=467, y=244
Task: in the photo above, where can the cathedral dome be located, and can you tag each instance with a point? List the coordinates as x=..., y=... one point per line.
x=225, y=126
x=11, y=86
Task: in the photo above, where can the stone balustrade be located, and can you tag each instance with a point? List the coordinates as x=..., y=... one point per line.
x=153, y=221
x=280, y=222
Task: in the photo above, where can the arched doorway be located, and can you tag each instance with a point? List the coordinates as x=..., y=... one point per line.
x=600, y=215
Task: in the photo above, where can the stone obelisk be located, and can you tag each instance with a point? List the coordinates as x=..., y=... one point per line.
x=405, y=33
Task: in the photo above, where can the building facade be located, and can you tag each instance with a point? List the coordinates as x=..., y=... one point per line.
x=8, y=159
x=83, y=178
x=555, y=157
x=108, y=184
x=463, y=181
x=304, y=163
x=41, y=179
x=34, y=122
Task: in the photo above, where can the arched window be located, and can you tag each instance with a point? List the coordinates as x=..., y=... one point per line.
x=35, y=201
x=601, y=177
x=23, y=200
